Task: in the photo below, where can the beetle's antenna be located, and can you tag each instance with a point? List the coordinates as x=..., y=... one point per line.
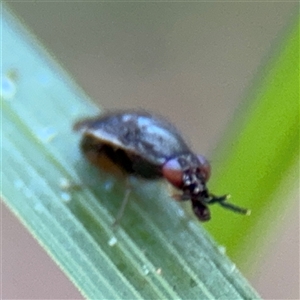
x=234, y=208
x=222, y=201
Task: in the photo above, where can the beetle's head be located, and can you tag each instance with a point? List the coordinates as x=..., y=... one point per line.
x=190, y=173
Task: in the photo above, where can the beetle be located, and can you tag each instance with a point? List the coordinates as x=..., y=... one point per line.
x=146, y=145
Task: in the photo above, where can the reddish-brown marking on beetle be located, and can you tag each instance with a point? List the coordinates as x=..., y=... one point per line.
x=148, y=146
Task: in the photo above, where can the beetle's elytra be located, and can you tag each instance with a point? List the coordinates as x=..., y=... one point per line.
x=148, y=146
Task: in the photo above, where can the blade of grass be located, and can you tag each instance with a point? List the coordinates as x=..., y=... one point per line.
x=260, y=151
x=69, y=207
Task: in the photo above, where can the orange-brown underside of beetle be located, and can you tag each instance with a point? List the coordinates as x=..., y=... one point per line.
x=104, y=163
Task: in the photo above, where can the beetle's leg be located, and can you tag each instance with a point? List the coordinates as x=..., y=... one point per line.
x=123, y=205
x=181, y=197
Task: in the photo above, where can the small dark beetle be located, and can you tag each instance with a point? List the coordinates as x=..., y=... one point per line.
x=148, y=146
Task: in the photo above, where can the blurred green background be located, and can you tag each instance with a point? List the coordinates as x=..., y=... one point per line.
x=196, y=63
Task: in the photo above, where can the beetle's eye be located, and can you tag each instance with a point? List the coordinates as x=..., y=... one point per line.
x=204, y=167
x=172, y=171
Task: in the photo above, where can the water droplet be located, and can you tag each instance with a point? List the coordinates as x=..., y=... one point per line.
x=158, y=271
x=8, y=88
x=222, y=249
x=108, y=185
x=64, y=183
x=180, y=212
x=192, y=225
x=145, y=270
x=27, y=192
x=66, y=197
x=19, y=184
x=233, y=267
x=47, y=134
x=44, y=79
x=38, y=207
x=113, y=240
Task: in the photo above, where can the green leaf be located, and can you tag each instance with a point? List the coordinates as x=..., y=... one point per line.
x=258, y=159
x=69, y=207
